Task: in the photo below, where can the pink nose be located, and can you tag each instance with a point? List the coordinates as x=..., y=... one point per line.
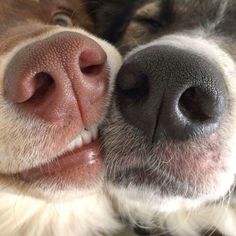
x=61, y=77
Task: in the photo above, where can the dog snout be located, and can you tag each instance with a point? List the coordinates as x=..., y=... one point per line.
x=59, y=77
x=171, y=93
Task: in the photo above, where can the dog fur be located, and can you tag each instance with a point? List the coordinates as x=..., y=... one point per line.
x=203, y=27
x=41, y=209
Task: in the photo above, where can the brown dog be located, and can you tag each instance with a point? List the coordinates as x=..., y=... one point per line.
x=55, y=83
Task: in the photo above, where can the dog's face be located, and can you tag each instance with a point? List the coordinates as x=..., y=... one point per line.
x=55, y=83
x=170, y=135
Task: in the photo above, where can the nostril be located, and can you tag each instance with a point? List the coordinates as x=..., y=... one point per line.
x=92, y=63
x=41, y=83
x=133, y=85
x=192, y=104
x=92, y=70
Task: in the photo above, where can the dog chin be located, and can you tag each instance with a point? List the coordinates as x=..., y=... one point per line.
x=135, y=200
x=198, y=181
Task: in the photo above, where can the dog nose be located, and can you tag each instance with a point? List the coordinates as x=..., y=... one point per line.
x=171, y=93
x=58, y=78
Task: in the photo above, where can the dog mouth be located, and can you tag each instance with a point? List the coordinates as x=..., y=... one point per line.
x=171, y=170
x=183, y=176
x=80, y=163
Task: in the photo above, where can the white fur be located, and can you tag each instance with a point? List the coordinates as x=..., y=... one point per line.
x=184, y=222
x=21, y=215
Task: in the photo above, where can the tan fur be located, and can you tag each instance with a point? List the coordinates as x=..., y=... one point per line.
x=41, y=209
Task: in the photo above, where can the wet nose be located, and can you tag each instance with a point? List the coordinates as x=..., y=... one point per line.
x=171, y=93
x=61, y=77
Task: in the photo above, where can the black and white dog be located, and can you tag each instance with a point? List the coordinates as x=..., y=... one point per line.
x=170, y=136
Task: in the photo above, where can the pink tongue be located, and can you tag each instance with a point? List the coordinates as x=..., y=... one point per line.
x=82, y=165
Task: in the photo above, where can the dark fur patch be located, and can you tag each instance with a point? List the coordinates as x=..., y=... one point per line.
x=115, y=17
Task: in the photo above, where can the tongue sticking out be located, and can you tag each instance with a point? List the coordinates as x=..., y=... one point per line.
x=82, y=167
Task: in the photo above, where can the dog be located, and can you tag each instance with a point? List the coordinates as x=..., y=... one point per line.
x=170, y=134
x=56, y=81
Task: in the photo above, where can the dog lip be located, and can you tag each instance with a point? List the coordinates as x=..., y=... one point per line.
x=84, y=163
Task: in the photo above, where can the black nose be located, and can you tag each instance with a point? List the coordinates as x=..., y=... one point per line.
x=173, y=93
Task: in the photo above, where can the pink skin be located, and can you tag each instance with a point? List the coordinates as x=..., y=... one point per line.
x=80, y=167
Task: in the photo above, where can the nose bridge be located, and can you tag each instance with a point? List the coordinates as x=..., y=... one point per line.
x=186, y=69
x=59, y=52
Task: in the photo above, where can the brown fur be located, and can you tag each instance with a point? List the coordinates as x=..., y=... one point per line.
x=47, y=207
